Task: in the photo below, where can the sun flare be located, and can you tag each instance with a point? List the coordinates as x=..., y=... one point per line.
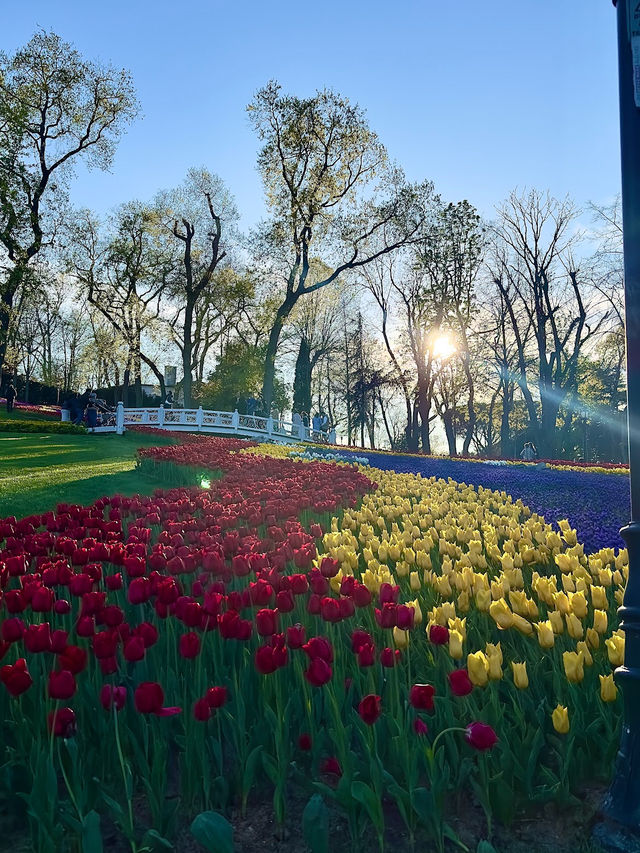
x=442, y=347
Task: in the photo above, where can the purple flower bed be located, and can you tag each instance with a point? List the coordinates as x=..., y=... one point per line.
x=597, y=505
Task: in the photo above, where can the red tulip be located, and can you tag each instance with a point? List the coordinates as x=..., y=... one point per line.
x=216, y=697
x=148, y=632
x=332, y=766
x=61, y=607
x=267, y=622
x=37, y=638
x=189, y=646
x=296, y=636
x=405, y=616
x=360, y=638
x=370, y=708
x=12, y=629
x=387, y=617
x=480, y=736
x=108, y=665
x=264, y=661
x=62, y=685
x=361, y=596
x=202, y=710
x=330, y=610
x=285, y=601
x=42, y=601
x=104, y=644
x=304, y=742
x=439, y=635
x=420, y=727
x=314, y=604
x=390, y=657
x=318, y=673
x=460, y=682
x=148, y=698
x=421, y=697
x=16, y=677
x=367, y=655
x=134, y=649
x=113, y=582
x=329, y=568
x=113, y=697
x=139, y=590
x=59, y=641
x=63, y=722
x=319, y=647
x=73, y=658
x=388, y=594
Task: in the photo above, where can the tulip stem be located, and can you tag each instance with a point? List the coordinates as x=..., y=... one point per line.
x=68, y=787
x=444, y=732
x=124, y=776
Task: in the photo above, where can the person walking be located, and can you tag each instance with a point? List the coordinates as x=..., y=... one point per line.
x=11, y=396
x=528, y=452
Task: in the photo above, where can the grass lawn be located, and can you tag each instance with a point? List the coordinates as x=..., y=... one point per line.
x=39, y=471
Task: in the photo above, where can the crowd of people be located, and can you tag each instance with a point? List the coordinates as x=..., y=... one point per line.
x=89, y=409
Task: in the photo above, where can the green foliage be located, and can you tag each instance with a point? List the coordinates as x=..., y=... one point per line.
x=238, y=374
x=56, y=427
x=214, y=832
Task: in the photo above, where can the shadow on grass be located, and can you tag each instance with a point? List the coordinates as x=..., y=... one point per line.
x=84, y=492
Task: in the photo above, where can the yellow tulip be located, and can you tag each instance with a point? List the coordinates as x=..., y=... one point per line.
x=557, y=623
x=578, y=604
x=593, y=638
x=478, y=667
x=501, y=613
x=584, y=648
x=523, y=625
x=414, y=581
x=493, y=650
x=455, y=644
x=520, y=678
x=463, y=601
x=560, y=719
x=574, y=626
x=600, y=621
x=615, y=650
x=459, y=625
x=546, y=637
x=608, y=689
x=561, y=602
x=483, y=599
x=400, y=638
x=599, y=597
x=573, y=666
x=417, y=612
x=495, y=666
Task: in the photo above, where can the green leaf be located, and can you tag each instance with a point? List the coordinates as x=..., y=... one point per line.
x=315, y=825
x=153, y=840
x=91, y=835
x=250, y=769
x=214, y=832
x=485, y=847
x=364, y=795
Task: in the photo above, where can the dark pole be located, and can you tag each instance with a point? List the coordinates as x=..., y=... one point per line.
x=622, y=803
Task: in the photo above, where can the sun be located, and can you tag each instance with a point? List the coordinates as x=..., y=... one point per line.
x=442, y=346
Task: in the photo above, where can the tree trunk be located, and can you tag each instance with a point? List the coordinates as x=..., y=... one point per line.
x=507, y=405
x=187, y=351
x=548, y=432
x=447, y=419
x=269, y=376
x=471, y=411
x=9, y=290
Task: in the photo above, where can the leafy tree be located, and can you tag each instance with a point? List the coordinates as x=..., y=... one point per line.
x=319, y=155
x=55, y=108
x=238, y=374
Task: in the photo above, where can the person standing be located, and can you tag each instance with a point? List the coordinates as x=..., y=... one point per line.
x=11, y=396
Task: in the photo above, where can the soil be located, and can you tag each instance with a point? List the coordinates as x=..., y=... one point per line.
x=546, y=829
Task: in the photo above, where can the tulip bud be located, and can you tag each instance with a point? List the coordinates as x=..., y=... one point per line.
x=608, y=689
x=574, y=626
x=600, y=621
x=520, y=677
x=573, y=666
x=546, y=636
x=615, y=650
x=400, y=638
x=560, y=719
x=557, y=623
x=455, y=644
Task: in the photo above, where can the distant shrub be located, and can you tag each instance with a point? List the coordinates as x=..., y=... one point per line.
x=62, y=427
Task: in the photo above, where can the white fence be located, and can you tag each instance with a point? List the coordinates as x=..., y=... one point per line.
x=221, y=423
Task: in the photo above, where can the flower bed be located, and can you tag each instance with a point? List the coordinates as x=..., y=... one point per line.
x=297, y=625
x=597, y=505
x=45, y=411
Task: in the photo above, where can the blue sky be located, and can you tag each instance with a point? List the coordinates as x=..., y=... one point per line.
x=480, y=97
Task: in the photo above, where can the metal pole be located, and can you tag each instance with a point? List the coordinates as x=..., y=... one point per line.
x=622, y=802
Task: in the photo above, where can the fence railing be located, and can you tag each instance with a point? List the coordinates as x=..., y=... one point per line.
x=230, y=423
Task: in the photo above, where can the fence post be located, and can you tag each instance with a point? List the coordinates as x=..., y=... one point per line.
x=199, y=417
x=235, y=420
x=161, y=416
x=120, y=418
x=269, y=425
